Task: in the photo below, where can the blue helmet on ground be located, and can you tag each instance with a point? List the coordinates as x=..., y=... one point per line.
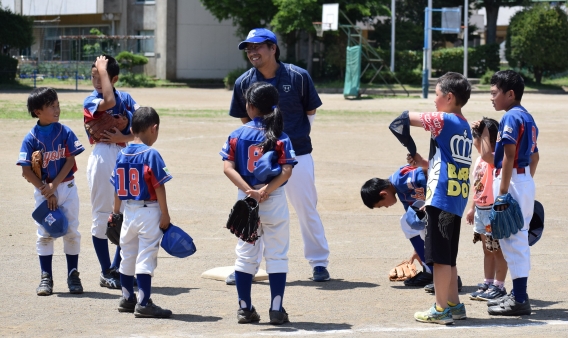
x=177, y=242
x=53, y=221
x=537, y=223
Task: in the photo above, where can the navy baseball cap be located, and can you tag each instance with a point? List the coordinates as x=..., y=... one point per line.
x=536, y=226
x=258, y=35
x=177, y=242
x=53, y=221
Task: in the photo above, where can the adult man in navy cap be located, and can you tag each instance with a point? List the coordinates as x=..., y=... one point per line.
x=298, y=103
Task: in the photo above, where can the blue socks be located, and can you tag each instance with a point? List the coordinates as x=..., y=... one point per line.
x=72, y=263
x=520, y=289
x=144, y=287
x=127, y=283
x=277, y=286
x=418, y=245
x=117, y=259
x=101, y=248
x=45, y=264
x=244, y=285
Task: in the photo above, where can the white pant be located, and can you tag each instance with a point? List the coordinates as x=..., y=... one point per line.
x=516, y=248
x=408, y=231
x=301, y=192
x=275, y=234
x=99, y=170
x=68, y=202
x=140, y=238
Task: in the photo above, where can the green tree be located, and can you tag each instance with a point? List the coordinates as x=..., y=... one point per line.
x=128, y=60
x=537, y=38
x=492, y=12
x=246, y=14
x=16, y=31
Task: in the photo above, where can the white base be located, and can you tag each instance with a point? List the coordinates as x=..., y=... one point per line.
x=221, y=273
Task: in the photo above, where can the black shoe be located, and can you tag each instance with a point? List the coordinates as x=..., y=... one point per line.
x=45, y=287
x=151, y=310
x=320, y=274
x=430, y=287
x=110, y=279
x=245, y=316
x=421, y=279
x=278, y=317
x=498, y=301
x=126, y=305
x=74, y=283
x=510, y=307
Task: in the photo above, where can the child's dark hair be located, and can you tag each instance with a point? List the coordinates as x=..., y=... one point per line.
x=113, y=67
x=506, y=80
x=491, y=125
x=39, y=98
x=370, y=191
x=144, y=118
x=264, y=97
x=456, y=84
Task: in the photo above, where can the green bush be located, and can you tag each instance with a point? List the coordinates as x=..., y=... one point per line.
x=8, y=68
x=486, y=78
x=135, y=80
x=233, y=75
x=128, y=60
x=480, y=59
x=405, y=60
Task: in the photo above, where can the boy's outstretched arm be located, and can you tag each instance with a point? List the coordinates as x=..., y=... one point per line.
x=108, y=93
x=400, y=127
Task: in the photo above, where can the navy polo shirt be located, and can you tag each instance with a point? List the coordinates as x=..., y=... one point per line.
x=297, y=96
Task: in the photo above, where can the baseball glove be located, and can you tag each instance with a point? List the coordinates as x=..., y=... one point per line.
x=103, y=123
x=37, y=163
x=244, y=220
x=405, y=270
x=506, y=222
x=114, y=226
x=491, y=243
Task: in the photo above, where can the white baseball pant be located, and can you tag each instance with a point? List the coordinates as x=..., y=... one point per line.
x=275, y=234
x=99, y=170
x=68, y=202
x=140, y=238
x=408, y=231
x=516, y=248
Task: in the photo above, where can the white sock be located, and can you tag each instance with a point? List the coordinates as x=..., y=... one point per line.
x=276, y=303
x=244, y=305
x=125, y=293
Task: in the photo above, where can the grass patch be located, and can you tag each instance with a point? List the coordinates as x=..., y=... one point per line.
x=18, y=110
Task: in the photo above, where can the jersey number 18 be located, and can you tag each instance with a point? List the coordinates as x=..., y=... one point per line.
x=127, y=181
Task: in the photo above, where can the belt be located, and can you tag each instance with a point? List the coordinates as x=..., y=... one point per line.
x=519, y=171
x=49, y=180
x=141, y=202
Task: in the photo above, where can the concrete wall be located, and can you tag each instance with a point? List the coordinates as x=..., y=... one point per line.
x=55, y=7
x=206, y=48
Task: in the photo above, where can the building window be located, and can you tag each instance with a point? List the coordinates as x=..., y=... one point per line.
x=146, y=46
x=145, y=2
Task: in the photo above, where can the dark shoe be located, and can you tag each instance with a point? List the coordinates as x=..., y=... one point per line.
x=421, y=279
x=245, y=316
x=494, y=292
x=430, y=287
x=481, y=288
x=151, y=310
x=510, y=307
x=110, y=279
x=45, y=287
x=321, y=274
x=278, y=317
x=498, y=301
x=126, y=305
x=231, y=279
x=74, y=283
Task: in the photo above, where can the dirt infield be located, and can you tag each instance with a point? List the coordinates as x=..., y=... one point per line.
x=351, y=144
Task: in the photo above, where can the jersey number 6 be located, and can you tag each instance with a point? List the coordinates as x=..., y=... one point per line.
x=133, y=179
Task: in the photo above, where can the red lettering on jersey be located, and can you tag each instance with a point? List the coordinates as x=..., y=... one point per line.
x=419, y=194
x=134, y=181
x=254, y=154
x=53, y=155
x=121, y=191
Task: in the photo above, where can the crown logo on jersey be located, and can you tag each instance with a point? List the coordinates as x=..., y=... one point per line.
x=460, y=147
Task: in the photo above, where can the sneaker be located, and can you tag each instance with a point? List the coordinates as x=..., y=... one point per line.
x=110, y=279
x=321, y=274
x=421, y=279
x=510, y=307
x=74, y=283
x=278, y=317
x=433, y=316
x=482, y=287
x=430, y=287
x=125, y=305
x=231, y=279
x=458, y=311
x=245, y=316
x=494, y=292
x=45, y=287
x=151, y=310
x=498, y=301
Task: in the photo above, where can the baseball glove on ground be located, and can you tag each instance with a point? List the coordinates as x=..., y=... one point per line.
x=37, y=163
x=103, y=123
x=405, y=270
x=506, y=222
x=114, y=226
x=244, y=220
x=491, y=243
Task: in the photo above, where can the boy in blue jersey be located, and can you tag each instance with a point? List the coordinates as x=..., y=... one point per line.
x=59, y=146
x=516, y=158
x=409, y=184
x=138, y=179
x=447, y=190
x=105, y=99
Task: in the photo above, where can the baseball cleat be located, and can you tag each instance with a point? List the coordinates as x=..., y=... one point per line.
x=278, y=317
x=432, y=316
x=458, y=311
x=498, y=301
x=482, y=287
x=321, y=274
x=245, y=316
x=510, y=307
x=421, y=279
x=110, y=279
x=125, y=305
x=493, y=292
x=151, y=310
x=45, y=287
x=74, y=283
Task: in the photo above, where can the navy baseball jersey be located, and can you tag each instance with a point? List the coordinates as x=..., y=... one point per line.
x=410, y=184
x=449, y=161
x=56, y=142
x=241, y=148
x=139, y=171
x=297, y=96
x=125, y=105
x=517, y=127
